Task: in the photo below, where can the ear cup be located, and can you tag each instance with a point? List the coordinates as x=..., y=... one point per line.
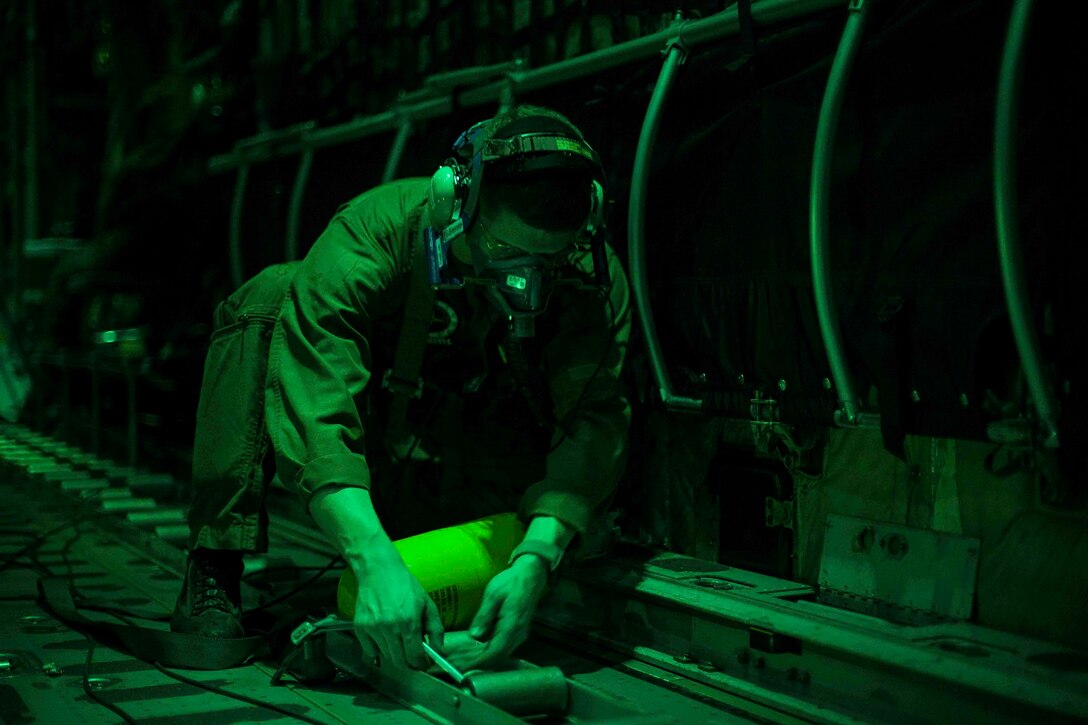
x=443, y=196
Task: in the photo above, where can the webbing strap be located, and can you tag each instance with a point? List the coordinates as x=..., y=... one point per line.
x=171, y=649
x=403, y=378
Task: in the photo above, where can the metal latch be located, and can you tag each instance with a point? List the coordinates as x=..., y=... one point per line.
x=401, y=386
x=778, y=513
x=764, y=415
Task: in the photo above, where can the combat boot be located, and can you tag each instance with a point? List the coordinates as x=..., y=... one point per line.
x=210, y=603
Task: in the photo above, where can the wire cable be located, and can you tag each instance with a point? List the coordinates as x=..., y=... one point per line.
x=91, y=643
x=564, y=425
x=121, y=615
x=89, y=691
x=9, y=560
x=283, y=597
x=208, y=688
x=234, y=695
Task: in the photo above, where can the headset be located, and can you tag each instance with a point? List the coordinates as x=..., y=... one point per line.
x=519, y=286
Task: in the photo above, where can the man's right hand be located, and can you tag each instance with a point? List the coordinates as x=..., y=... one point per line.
x=392, y=612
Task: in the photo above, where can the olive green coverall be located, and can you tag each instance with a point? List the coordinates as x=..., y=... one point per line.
x=295, y=366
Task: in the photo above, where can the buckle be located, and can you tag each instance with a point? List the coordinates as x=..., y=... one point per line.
x=399, y=386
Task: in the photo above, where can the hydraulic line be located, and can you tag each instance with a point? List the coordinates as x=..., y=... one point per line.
x=826, y=128
x=294, y=209
x=636, y=227
x=719, y=26
x=302, y=178
x=1009, y=248
x=400, y=142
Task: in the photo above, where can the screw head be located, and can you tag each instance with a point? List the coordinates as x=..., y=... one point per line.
x=740, y=379
x=827, y=383
x=782, y=385
x=915, y=397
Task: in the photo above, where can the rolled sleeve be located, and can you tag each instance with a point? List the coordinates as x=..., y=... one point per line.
x=338, y=469
x=319, y=361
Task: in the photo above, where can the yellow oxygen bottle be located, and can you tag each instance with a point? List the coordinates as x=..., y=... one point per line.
x=453, y=564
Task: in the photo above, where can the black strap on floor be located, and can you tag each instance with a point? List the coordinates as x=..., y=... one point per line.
x=171, y=649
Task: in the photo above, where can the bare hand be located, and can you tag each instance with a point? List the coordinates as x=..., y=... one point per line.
x=392, y=611
x=506, y=613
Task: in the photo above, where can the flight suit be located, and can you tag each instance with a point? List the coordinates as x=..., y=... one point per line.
x=294, y=370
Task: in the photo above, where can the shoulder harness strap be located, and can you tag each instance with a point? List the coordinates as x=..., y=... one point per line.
x=403, y=379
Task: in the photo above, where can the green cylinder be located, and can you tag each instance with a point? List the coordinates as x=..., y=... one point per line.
x=453, y=564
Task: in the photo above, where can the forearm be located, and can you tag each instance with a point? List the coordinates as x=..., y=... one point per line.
x=550, y=530
x=347, y=516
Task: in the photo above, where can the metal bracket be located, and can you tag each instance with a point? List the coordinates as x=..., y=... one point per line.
x=898, y=572
x=764, y=415
x=676, y=39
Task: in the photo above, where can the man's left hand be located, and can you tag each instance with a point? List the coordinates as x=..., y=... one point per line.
x=506, y=612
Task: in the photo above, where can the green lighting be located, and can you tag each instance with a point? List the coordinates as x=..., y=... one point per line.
x=512, y=280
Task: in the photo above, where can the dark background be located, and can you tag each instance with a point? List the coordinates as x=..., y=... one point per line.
x=119, y=107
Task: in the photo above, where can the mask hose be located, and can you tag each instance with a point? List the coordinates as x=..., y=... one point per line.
x=529, y=380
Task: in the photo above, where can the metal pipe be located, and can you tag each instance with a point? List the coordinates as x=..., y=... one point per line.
x=400, y=142
x=30, y=221
x=294, y=208
x=1009, y=248
x=719, y=26
x=636, y=226
x=818, y=211
x=235, y=238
